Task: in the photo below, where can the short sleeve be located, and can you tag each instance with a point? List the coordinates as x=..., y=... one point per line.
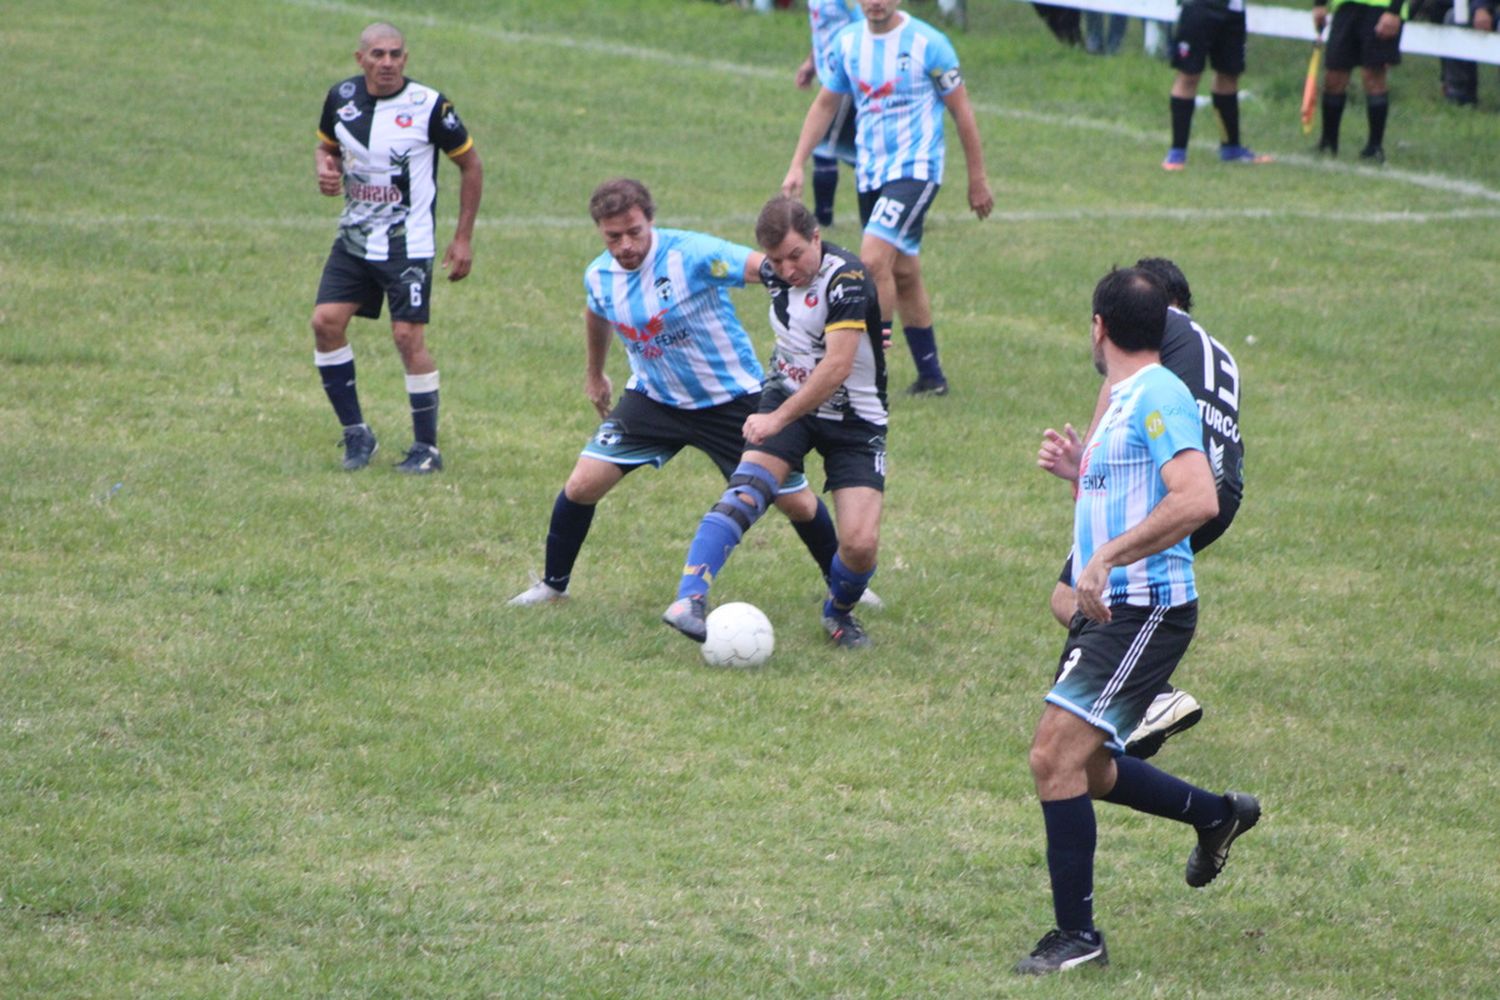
x=942, y=65
x=446, y=129
x=1169, y=420
x=719, y=262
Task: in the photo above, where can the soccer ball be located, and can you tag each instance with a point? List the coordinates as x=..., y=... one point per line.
x=739, y=635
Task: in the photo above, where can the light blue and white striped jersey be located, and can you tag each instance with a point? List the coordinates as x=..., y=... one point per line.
x=1150, y=419
x=898, y=81
x=685, y=344
x=826, y=18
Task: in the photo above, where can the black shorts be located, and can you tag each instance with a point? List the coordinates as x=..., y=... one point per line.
x=853, y=450
x=406, y=283
x=1352, y=41
x=895, y=213
x=838, y=141
x=1110, y=671
x=1208, y=33
x=640, y=431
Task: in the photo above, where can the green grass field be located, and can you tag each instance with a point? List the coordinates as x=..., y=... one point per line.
x=267, y=728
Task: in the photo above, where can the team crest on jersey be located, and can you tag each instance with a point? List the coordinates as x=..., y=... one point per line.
x=403, y=120
x=346, y=89
x=811, y=301
x=348, y=112
x=663, y=288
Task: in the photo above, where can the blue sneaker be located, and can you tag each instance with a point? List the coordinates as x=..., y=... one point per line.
x=1176, y=159
x=1242, y=154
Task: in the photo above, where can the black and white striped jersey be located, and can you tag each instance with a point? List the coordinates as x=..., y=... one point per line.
x=840, y=297
x=390, y=165
x=1213, y=377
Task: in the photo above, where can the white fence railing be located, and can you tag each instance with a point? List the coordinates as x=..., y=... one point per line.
x=1292, y=22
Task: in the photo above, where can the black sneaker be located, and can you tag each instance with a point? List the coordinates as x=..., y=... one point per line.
x=846, y=631
x=1372, y=154
x=1059, y=950
x=1208, y=858
x=421, y=459
x=359, y=446
x=1326, y=148
x=688, y=615
x=925, y=386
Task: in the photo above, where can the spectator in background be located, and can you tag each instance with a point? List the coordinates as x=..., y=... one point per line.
x=1095, y=40
x=1460, y=77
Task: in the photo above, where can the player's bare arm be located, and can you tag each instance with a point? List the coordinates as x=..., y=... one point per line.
x=459, y=258
x=981, y=200
x=1191, y=500
x=596, y=384
x=752, y=267
x=824, y=381
x=329, y=162
x=814, y=127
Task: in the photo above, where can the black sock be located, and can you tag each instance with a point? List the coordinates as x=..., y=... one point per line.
x=1143, y=788
x=1182, y=121
x=922, y=343
x=819, y=536
x=1228, y=108
x=825, y=186
x=338, y=384
x=1333, y=115
x=1377, y=109
x=565, y=535
x=422, y=390
x=1072, y=835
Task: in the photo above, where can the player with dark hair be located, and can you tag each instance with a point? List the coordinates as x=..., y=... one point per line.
x=377, y=143
x=902, y=73
x=825, y=391
x=1144, y=486
x=1367, y=34
x=694, y=378
x=1211, y=374
x=1209, y=32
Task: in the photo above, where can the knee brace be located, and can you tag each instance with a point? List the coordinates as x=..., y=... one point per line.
x=751, y=490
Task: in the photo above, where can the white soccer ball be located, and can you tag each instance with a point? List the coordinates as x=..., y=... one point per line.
x=739, y=635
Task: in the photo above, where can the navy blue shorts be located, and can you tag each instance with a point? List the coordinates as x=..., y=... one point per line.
x=640, y=431
x=895, y=212
x=1109, y=672
x=405, y=283
x=853, y=450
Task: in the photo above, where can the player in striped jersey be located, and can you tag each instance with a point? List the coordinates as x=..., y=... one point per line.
x=1144, y=486
x=826, y=391
x=902, y=73
x=827, y=18
x=377, y=146
x=1211, y=374
x=694, y=379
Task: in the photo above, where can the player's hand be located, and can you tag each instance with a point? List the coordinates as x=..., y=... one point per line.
x=760, y=426
x=1092, y=583
x=1388, y=27
x=806, y=74
x=1320, y=19
x=330, y=177
x=600, y=392
x=458, y=260
x=1061, y=453
x=791, y=184
x=980, y=199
